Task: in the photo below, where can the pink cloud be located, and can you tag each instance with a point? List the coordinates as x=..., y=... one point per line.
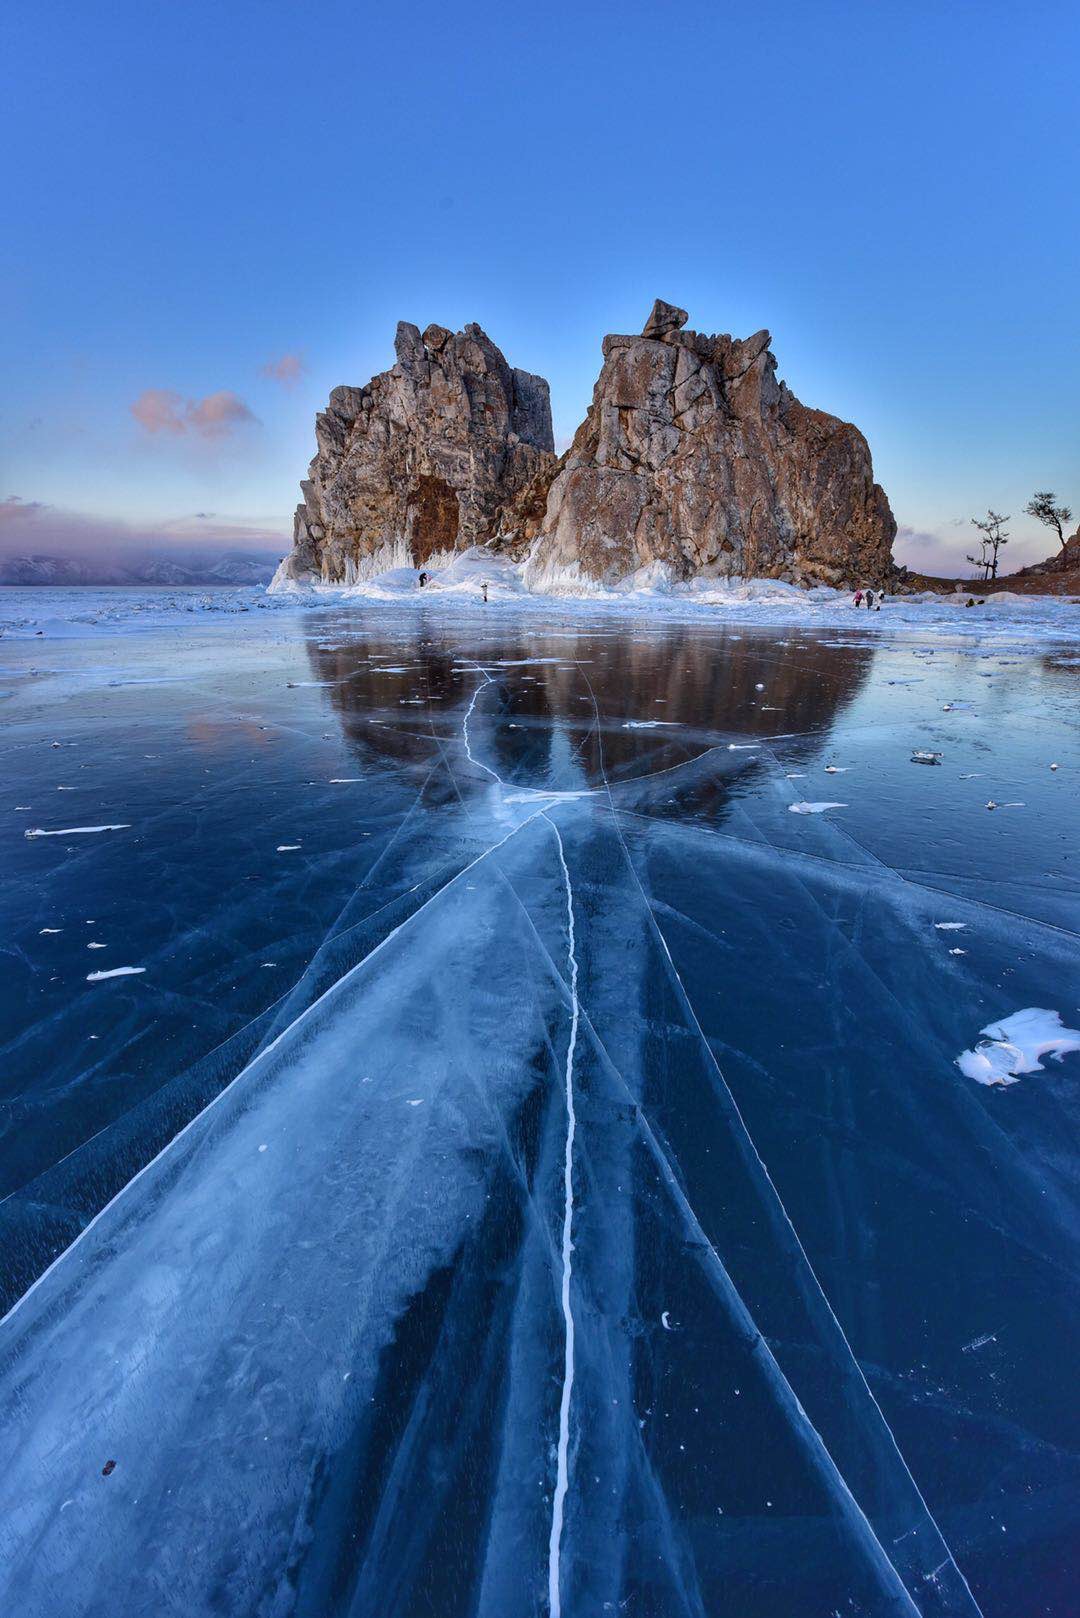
x=944, y=554
x=287, y=370
x=32, y=527
x=218, y=414
x=159, y=410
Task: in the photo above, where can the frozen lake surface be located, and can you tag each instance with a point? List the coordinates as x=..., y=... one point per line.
x=513, y=1163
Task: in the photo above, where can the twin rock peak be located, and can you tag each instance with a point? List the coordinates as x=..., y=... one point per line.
x=692, y=461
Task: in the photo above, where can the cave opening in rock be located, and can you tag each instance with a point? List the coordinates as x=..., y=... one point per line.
x=432, y=518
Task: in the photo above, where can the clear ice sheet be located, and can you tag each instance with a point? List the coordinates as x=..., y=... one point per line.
x=822, y=1285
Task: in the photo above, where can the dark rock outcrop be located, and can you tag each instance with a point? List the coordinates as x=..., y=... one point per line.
x=693, y=455
x=1063, y=561
x=429, y=457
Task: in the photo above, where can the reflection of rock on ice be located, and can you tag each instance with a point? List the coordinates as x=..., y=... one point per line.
x=1014, y=1046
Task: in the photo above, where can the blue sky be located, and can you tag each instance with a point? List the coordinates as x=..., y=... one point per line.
x=199, y=192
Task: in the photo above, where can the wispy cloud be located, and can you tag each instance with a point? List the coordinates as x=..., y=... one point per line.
x=33, y=527
x=286, y=369
x=944, y=554
x=160, y=410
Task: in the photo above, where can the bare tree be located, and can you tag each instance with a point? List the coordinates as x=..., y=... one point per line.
x=993, y=538
x=1044, y=507
x=982, y=561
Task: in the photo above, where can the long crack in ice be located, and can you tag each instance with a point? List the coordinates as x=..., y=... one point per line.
x=562, y=1479
x=802, y=1256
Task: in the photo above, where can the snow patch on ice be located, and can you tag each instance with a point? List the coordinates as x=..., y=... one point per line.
x=114, y=972
x=1014, y=1045
x=75, y=831
x=813, y=808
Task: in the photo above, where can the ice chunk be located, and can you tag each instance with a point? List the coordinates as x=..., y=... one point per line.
x=813, y=808
x=1014, y=1046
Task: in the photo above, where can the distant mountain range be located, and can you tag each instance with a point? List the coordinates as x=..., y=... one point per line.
x=228, y=567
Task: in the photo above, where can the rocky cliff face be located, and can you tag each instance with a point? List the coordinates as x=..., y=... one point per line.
x=431, y=456
x=693, y=455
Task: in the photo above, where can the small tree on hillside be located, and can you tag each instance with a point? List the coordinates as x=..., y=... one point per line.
x=982, y=561
x=993, y=538
x=1044, y=507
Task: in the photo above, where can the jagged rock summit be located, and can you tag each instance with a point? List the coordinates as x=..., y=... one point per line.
x=693, y=460
x=424, y=460
x=694, y=456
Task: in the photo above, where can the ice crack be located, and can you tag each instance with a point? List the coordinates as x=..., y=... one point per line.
x=562, y=1477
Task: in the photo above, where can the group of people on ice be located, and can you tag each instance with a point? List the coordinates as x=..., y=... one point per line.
x=425, y=577
x=867, y=597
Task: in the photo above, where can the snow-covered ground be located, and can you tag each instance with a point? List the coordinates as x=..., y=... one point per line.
x=459, y=582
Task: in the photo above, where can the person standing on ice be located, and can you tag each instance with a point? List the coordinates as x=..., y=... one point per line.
x=869, y=600
x=423, y=580
x=483, y=588
x=858, y=598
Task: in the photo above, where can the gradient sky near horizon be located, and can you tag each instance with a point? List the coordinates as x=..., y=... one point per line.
x=217, y=212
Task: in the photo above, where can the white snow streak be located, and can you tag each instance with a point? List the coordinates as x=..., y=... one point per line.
x=75, y=831
x=562, y=1479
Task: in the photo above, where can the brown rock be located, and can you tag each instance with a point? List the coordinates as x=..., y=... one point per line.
x=692, y=454
x=665, y=318
x=431, y=456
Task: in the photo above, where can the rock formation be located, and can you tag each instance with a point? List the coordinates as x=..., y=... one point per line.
x=692, y=456
x=429, y=457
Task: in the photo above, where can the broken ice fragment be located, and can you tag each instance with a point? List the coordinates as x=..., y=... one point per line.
x=1014, y=1045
